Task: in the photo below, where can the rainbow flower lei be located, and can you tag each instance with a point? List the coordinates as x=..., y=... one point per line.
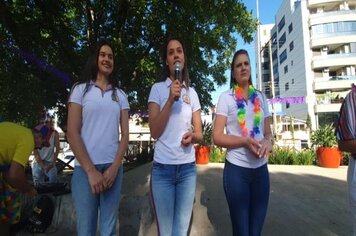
x=241, y=110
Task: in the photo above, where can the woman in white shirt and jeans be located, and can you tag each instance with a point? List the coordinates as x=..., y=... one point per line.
x=174, y=109
x=98, y=133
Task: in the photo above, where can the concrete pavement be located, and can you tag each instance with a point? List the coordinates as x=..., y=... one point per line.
x=304, y=200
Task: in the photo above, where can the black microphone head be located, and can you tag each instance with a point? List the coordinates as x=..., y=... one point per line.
x=177, y=66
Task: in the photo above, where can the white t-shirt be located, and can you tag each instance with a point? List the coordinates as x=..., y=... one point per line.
x=168, y=148
x=100, y=120
x=227, y=107
x=47, y=153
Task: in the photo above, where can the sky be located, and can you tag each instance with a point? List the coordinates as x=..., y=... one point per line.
x=267, y=12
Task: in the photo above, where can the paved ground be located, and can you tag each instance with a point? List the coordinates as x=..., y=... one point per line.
x=304, y=200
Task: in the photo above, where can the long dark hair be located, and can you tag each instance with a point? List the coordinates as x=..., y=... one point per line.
x=91, y=69
x=238, y=53
x=166, y=72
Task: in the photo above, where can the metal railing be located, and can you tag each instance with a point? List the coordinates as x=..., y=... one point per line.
x=137, y=151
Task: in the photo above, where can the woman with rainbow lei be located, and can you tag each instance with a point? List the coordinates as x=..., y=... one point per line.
x=243, y=111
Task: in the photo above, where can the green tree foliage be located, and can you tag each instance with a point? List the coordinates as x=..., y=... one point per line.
x=45, y=44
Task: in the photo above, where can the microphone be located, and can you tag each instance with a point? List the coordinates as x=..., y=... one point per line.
x=177, y=74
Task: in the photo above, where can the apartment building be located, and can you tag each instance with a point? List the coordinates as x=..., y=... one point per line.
x=313, y=54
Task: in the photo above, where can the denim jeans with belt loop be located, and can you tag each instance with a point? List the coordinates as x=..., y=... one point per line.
x=87, y=205
x=172, y=192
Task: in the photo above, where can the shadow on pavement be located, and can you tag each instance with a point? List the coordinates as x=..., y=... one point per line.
x=300, y=204
x=305, y=200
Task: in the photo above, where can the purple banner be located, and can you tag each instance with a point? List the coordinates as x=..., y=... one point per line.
x=43, y=65
x=287, y=100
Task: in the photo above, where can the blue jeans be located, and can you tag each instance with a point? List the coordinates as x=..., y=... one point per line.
x=39, y=174
x=172, y=192
x=87, y=204
x=247, y=194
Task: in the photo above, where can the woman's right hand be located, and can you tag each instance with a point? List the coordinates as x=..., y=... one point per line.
x=96, y=181
x=175, y=90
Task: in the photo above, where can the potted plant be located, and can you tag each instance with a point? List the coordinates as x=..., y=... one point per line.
x=327, y=152
x=202, y=150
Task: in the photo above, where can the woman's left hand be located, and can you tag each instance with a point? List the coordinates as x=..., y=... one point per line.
x=110, y=176
x=187, y=139
x=265, y=148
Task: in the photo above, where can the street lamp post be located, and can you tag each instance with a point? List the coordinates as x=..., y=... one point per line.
x=259, y=77
x=274, y=117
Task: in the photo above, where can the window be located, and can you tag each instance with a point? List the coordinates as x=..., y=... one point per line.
x=274, y=55
x=286, y=69
x=290, y=28
x=274, y=37
x=282, y=40
x=292, y=81
x=276, y=90
x=275, y=69
x=327, y=118
x=287, y=105
x=283, y=56
x=334, y=27
x=291, y=46
x=281, y=24
x=265, y=54
x=352, y=47
x=339, y=26
x=265, y=65
x=286, y=86
x=265, y=78
x=268, y=92
x=296, y=3
x=291, y=63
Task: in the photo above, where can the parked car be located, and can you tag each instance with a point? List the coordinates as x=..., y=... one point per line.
x=66, y=158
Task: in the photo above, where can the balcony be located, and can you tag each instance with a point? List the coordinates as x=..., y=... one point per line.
x=322, y=108
x=334, y=83
x=329, y=101
x=316, y=3
x=341, y=38
x=333, y=61
x=332, y=16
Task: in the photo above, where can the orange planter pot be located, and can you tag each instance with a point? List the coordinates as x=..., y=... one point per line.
x=202, y=154
x=329, y=157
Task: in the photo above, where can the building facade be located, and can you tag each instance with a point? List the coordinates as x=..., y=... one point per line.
x=312, y=46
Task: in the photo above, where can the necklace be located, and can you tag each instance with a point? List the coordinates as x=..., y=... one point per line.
x=241, y=110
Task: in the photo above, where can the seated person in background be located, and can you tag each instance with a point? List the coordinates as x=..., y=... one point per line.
x=16, y=145
x=44, y=163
